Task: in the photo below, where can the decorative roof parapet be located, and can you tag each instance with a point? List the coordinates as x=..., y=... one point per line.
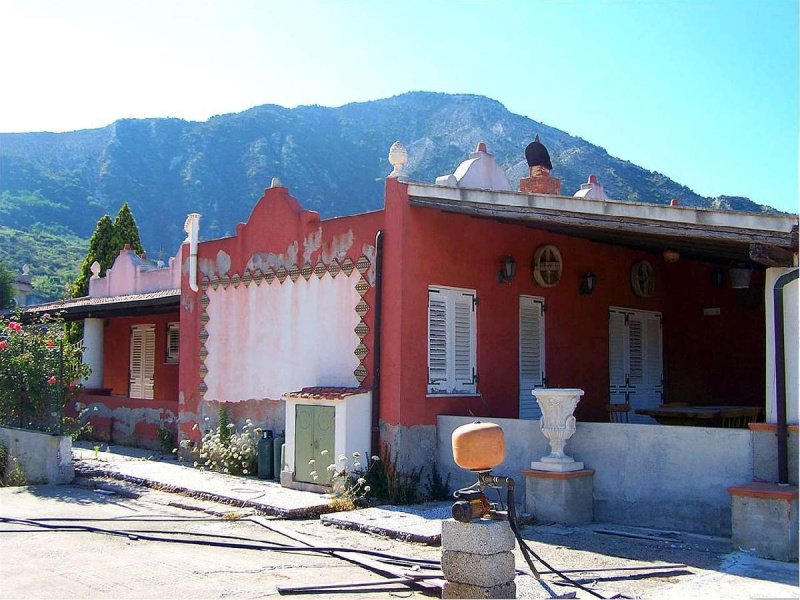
x=591, y=189
x=479, y=171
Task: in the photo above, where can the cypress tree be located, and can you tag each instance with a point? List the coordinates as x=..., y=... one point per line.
x=126, y=229
x=6, y=289
x=104, y=247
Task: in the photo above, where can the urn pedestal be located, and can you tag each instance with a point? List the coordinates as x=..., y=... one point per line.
x=557, y=425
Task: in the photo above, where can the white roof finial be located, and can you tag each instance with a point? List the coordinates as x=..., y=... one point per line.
x=398, y=157
x=275, y=183
x=95, y=269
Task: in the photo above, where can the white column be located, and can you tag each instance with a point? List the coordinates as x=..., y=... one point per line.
x=93, y=351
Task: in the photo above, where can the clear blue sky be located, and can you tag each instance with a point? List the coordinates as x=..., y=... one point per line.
x=704, y=91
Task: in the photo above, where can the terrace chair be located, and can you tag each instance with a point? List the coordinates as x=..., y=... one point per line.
x=741, y=421
x=618, y=413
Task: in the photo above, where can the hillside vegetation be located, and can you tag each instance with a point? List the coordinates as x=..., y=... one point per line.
x=55, y=187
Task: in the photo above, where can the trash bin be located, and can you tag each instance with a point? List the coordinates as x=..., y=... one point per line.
x=265, y=455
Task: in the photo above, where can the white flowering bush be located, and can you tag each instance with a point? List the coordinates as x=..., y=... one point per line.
x=348, y=478
x=226, y=450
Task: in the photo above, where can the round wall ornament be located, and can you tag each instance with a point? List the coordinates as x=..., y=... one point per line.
x=547, y=266
x=643, y=279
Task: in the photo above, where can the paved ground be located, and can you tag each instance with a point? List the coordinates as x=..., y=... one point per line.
x=164, y=472
x=611, y=559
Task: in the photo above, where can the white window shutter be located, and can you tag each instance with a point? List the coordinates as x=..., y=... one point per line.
x=653, y=360
x=451, y=341
x=142, y=364
x=437, y=341
x=636, y=349
x=173, y=342
x=149, y=361
x=136, y=382
x=531, y=354
x=463, y=328
x=617, y=356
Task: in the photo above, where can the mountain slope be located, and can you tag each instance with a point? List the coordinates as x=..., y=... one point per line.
x=332, y=159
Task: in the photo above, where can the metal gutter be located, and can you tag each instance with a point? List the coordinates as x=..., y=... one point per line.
x=780, y=374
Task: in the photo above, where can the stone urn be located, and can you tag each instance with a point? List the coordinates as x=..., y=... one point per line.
x=557, y=425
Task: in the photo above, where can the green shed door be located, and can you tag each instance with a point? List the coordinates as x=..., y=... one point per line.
x=313, y=430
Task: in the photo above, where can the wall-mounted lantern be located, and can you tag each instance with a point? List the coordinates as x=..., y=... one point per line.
x=740, y=274
x=587, y=284
x=671, y=256
x=508, y=268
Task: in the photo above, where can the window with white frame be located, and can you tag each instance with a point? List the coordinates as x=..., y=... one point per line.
x=173, y=342
x=143, y=358
x=451, y=341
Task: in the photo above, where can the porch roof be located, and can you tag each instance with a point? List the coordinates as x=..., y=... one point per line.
x=160, y=302
x=712, y=235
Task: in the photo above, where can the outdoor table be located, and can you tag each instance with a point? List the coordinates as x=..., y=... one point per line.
x=699, y=416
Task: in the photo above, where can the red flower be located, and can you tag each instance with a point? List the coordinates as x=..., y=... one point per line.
x=3, y=344
x=52, y=380
x=50, y=344
x=14, y=326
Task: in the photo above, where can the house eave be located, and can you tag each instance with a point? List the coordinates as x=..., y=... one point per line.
x=696, y=233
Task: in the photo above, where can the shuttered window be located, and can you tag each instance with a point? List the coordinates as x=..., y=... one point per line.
x=451, y=341
x=636, y=372
x=173, y=342
x=143, y=358
x=531, y=355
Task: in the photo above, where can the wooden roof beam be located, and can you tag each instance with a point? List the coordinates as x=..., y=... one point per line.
x=771, y=256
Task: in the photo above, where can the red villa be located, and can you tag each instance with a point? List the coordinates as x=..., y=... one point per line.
x=457, y=298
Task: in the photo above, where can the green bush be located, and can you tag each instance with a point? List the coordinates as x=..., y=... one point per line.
x=11, y=473
x=40, y=372
x=390, y=483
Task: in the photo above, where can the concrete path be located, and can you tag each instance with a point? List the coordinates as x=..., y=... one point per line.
x=420, y=523
x=164, y=472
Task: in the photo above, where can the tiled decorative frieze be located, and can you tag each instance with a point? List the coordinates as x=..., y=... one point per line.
x=347, y=266
x=307, y=271
x=334, y=268
x=269, y=276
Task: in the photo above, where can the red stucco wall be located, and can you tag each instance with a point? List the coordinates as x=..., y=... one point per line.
x=116, y=356
x=713, y=360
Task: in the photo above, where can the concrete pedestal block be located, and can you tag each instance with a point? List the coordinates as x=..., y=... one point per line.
x=564, y=498
x=463, y=590
x=482, y=537
x=764, y=519
x=482, y=570
x=478, y=559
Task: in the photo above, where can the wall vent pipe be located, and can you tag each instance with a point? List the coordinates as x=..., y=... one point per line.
x=376, y=345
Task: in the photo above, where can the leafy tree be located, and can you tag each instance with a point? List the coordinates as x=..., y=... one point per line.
x=127, y=230
x=104, y=247
x=6, y=291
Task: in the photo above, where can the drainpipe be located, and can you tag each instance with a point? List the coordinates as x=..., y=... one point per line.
x=192, y=228
x=376, y=349
x=780, y=374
